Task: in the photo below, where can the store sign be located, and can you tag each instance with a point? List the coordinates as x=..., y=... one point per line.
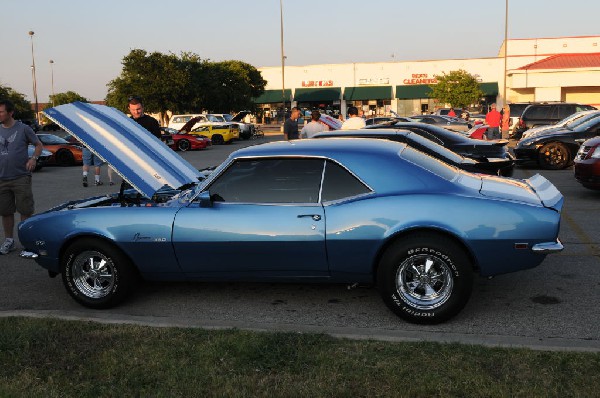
x=368, y=82
x=317, y=83
x=420, y=78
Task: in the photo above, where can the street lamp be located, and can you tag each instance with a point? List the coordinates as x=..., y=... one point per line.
x=282, y=55
x=31, y=33
x=504, y=99
x=52, y=71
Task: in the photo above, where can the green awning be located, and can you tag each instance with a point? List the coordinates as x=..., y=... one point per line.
x=368, y=93
x=489, y=88
x=273, y=96
x=317, y=94
x=413, y=91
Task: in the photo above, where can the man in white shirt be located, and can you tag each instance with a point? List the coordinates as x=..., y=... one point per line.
x=314, y=127
x=354, y=121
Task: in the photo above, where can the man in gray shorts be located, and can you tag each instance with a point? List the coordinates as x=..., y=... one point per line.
x=15, y=172
x=89, y=159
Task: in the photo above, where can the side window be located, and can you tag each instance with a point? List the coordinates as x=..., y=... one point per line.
x=564, y=111
x=269, y=181
x=538, y=112
x=339, y=183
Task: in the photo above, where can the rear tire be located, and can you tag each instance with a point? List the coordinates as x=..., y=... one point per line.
x=554, y=156
x=64, y=157
x=217, y=139
x=425, y=278
x=97, y=274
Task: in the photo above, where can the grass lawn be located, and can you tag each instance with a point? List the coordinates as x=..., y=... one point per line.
x=54, y=358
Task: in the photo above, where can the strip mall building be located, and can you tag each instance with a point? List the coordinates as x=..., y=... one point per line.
x=543, y=69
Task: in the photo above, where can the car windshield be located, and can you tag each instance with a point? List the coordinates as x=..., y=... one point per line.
x=50, y=139
x=579, y=118
x=444, y=152
x=444, y=170
x=227, y=117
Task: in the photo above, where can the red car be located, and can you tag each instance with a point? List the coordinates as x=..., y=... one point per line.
x=587, y=163
x=183, y=141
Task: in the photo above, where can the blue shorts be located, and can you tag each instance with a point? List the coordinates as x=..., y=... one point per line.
x=89, y=159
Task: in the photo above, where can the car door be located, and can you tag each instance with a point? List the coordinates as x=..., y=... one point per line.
x=263, y=220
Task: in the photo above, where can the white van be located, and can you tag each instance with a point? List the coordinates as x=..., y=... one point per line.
x=178, y=121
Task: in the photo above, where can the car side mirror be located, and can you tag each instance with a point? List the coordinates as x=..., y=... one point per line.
x=205, y=200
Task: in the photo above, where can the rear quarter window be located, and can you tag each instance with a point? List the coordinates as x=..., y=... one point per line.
x=537, y=112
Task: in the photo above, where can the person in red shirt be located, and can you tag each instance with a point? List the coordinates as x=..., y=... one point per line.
x=492, y=119
x=452, y=113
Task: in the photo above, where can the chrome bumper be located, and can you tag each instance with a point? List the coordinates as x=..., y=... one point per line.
x=548, y=247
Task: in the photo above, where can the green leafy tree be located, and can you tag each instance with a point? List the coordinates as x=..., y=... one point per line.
x=184, y=84
x=22, y=106
x=64, y=98
x=457, y=88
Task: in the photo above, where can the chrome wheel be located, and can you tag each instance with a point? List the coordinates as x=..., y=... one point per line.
x=93, y=274
x=424, y=281
x=554, y=156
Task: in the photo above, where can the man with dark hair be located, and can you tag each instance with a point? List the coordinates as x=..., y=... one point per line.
x=15, y=172
x=136, y=109
x=314, y=127
x=290, y=127
x=354, y=121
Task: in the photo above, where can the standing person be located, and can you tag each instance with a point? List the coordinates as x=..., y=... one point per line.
x=111, y=172
x=136, y=109
x=290, y=127
x=451, y=113
x=505, y=121
x=314, y=127
x=90, y=159
x=464, y=115
x=354, y=121
x=15, y=172
x=492, y=119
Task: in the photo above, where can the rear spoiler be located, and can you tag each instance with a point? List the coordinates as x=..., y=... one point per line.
x=546, y=191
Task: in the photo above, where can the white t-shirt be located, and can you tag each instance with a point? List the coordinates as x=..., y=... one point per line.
x=354, y=123
x=311, y=129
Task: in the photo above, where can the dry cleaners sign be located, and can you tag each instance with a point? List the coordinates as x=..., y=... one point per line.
x=420, y=78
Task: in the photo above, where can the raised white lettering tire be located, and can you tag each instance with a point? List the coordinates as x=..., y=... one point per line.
x=425, y=278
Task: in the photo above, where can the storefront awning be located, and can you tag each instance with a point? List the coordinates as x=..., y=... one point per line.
x=273, y=96
x=317, y=94
x=413, y=91
x=489, y=88
x=368, y=93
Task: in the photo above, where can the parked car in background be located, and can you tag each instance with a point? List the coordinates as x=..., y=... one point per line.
x=387, y=119
x=501, y=166
x=556, y=149
x=477, y=132
x=569, y=122
x=516, y=110
x=247, y=130
x=64, y=153
x=218, y=134
x=447, y=122
x=329, y=211
x=480, y=150
x=42, y=159
x=185, y=141
x=546, y=114
x=587, y=163
x=178, y=121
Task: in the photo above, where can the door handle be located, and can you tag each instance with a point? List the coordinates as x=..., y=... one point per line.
x=315, y=217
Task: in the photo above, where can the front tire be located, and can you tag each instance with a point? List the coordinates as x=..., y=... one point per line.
x=554, y=156
x=65, y=158
x=183, y=145
x=97, y=274
x=425, y=278
x=217, y=139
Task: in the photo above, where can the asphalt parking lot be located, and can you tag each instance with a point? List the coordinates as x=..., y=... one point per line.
x=553, y=306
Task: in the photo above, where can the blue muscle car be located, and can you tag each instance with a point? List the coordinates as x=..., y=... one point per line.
x=329, y=210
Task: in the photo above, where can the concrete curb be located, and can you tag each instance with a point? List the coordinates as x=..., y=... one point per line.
x=534, y=343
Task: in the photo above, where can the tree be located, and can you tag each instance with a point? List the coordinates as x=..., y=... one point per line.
x=64, y=98
x=22, y=106
x=457, y=88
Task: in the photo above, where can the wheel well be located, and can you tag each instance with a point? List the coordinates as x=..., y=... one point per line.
x=424, y=231
x=74, y=239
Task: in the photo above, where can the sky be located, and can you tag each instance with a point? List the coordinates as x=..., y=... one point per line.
x=88, y=39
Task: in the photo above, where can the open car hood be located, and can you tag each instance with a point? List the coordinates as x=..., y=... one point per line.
x=140, y=158
x=240, y=116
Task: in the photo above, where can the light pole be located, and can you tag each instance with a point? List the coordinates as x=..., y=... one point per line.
x=282, y=55
x=52, y=71
x=31, y=33
x=504, y=99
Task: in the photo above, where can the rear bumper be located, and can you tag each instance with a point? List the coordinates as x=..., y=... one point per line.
x=526, y=154
x=548, y=247
x=587, y=172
